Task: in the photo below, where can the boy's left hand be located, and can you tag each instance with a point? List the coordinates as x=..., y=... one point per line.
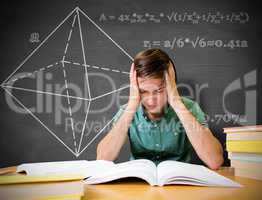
x=171, y=87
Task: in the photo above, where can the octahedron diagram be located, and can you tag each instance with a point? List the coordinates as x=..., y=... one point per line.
x=69, y=81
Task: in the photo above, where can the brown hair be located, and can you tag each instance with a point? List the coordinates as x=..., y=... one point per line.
x=152, y=63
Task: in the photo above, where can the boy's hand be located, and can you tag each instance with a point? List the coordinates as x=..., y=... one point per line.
x=171, y=87
x=134, y=96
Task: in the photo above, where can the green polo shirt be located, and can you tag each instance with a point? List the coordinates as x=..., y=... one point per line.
x=164, y=139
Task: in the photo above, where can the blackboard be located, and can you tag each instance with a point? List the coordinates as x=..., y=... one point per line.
x=65, y=68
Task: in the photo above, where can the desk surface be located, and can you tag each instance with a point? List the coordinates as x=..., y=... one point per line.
x=137, y=189
x=140, y=190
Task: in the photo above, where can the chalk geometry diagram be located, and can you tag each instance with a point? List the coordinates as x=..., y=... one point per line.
x=71, y=66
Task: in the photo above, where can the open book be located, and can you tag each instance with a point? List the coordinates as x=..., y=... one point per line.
x=101, y=171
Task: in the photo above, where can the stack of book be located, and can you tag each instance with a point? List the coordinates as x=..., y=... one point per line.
x=59, y=190
x=55, y=186
x=244, y=146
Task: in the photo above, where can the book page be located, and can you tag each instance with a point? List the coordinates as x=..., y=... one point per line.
x=63, y=167
x=141, y=168
x=170, y=171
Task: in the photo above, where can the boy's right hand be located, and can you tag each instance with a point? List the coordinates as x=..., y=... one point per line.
x=134, y=96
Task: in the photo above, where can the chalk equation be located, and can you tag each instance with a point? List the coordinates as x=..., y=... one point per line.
x=178, y=17
x=198, y=42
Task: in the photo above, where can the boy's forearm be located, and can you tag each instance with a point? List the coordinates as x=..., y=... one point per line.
x=206, y=145
x=111, y=144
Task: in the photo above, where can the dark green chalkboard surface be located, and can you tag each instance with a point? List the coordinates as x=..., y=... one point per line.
x=65, y=68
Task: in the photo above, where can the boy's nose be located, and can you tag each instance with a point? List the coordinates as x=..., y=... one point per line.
x=151, y=101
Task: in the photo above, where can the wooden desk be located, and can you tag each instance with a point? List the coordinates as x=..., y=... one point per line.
x=140, y=190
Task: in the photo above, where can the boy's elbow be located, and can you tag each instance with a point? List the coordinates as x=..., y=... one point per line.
x=216, y=163
x=104, y=156
x=101, y=154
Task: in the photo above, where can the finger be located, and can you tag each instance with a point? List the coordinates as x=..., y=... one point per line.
x=171, y=70
x=166, y=76
x=131, y=72
x=132, y=66
x=132, y=69
x=135, y=78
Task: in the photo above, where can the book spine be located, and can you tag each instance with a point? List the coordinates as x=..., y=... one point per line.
x=245, y=156
x=244, y=146
x=243, y=128
x=248, y=174
x=244, y=136
x=240, y=164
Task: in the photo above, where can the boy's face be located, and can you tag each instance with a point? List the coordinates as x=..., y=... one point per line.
x=153, y=94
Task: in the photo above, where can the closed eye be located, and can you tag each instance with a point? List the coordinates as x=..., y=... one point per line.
x=160, y=89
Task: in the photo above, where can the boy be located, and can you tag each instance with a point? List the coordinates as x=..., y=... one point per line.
x=159, y=123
